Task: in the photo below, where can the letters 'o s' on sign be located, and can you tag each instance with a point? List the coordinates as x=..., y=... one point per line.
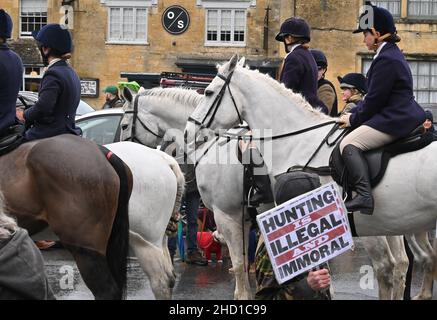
x=175, y=20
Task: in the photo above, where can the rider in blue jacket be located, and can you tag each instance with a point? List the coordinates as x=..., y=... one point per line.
x=388, y=111
x=300, y=72
x=59, y=93
x=11, y=76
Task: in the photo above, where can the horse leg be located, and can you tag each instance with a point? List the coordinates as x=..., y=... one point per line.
x=232, y=231
x=383, y=262
x=397, y=247
x=156, y=263
x=425, y=257
x=94, y=269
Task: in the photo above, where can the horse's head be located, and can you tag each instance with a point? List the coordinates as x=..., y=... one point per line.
x=138, y=124
x=222, y=107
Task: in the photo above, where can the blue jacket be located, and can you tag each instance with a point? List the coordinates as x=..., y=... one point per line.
x=11, y=79
x=58, y=98
x=389, y=105
x=300, y=75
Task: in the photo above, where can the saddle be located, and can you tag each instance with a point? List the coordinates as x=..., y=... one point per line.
x=378, y=159
x=13, y=139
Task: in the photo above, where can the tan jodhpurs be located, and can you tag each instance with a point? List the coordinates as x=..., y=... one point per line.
x=366, y=138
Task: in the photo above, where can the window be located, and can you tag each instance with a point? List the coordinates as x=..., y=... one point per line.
x=424, y=79
x=422, y=9
x=33, y=16
x=394, y=6
x=32, y=78
x=225, y=26
x=102, y=129
x=127, y=25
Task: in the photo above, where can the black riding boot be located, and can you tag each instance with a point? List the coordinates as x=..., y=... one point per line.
x=358, y=172
x=262, y=192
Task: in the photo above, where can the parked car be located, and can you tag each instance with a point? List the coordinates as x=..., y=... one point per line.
x=30, y=99
x=101, y=126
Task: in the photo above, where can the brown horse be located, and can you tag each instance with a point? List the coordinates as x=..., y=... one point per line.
x=67, y=183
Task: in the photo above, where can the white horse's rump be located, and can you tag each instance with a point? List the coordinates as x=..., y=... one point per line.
x=158, y=186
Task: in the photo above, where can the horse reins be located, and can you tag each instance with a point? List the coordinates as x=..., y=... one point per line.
x=136, y=119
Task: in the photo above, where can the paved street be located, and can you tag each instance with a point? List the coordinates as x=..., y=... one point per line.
x=213, y=281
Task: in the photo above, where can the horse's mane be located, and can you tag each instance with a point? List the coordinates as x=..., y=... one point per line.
x=182, y=96
x=7, y=224
x=296, y=98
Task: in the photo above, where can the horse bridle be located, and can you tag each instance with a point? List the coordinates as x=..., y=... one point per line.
x=216, y=104
x=136, y=119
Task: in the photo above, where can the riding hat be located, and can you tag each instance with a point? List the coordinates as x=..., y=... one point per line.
x=353, y=81
x=320, y=58
x=54, y=36
x=382, y=21
x=295, y=27
x=5, y=25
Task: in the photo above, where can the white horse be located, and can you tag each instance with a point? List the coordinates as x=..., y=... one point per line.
x=162, y=115
x=401, y=208
x=158, y=187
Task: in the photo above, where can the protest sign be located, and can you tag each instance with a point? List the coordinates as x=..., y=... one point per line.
x=305, y=232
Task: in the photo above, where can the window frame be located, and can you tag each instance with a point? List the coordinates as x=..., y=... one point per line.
x=416, y=90
x=28, y=34
x=419, y=17
x=220, y=43
x=395, y=16
x=133, y=42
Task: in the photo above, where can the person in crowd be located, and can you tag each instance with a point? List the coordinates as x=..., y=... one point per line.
x=325, y=89
x=112, y=99
x=354, y=88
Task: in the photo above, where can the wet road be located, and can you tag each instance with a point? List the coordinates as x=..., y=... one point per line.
x=352, y=278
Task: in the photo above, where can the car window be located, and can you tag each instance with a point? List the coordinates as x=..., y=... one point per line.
x=83, y=108
x=102, y=129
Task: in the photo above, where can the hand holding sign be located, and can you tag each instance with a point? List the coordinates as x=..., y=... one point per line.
x=319, y=279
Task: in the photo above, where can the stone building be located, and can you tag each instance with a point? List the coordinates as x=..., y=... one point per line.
x=117, y=40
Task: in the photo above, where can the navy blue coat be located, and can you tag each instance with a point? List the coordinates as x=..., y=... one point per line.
x=389, y=105
x=58, y=98
x=300, y=75
x=11, y=79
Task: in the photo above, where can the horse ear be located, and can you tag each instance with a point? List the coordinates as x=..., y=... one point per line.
x=127, y=94
x=242, y=62
x=233, y=62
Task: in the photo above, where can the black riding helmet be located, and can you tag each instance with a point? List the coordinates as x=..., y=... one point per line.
x=382, y=21
x=56, y=37
x=320, y=58
x=5, y=25
x=295, y=27
x=353, y=81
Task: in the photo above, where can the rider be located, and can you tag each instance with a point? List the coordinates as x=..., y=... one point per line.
x=59, y=93
x=11, y=75
x=354, y=89
x=299, y=72
x=325, y=89
x=388, y=112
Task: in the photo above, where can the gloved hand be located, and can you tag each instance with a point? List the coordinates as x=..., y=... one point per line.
x=344, y=121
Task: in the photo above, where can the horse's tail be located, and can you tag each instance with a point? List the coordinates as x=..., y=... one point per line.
x=180, y=179
x=118, y=244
